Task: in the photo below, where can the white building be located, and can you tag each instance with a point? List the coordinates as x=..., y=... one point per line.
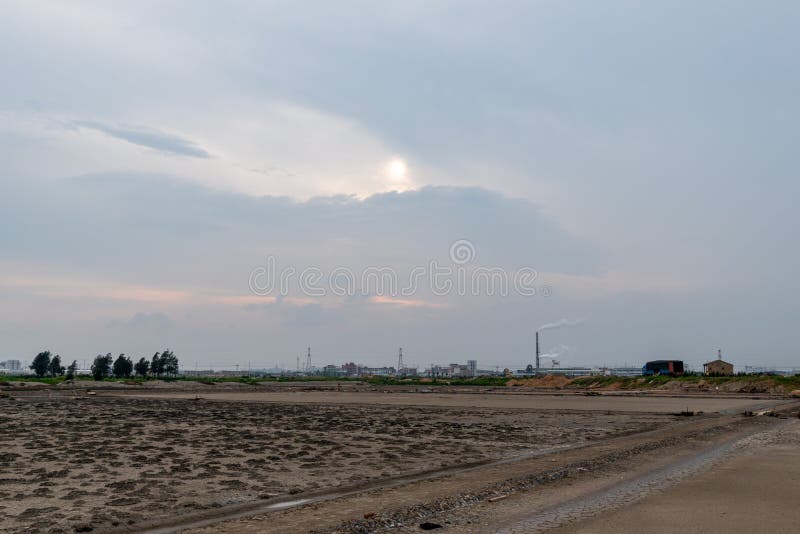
x=11, y=365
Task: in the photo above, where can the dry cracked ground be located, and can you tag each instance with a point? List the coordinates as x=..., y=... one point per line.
x=83, y=464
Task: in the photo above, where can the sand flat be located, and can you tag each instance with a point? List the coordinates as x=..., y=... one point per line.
x=111, y=462
x=755, y=490
x=538, y=401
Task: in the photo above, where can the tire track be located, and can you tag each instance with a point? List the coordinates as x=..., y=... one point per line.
x=630, y=491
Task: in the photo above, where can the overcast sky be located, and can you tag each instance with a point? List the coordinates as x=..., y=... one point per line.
x=640, y=157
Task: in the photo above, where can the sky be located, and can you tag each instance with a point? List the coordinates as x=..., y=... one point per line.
x=629, y=168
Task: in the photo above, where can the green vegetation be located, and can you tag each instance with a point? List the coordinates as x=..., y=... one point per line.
x=73, y=367
x=165, y=366
x=123, y=367
x=41, y=364
x=141, y=368
x=646, y=382
x=48, y=369
x=479, y=381
x=101, y=368
x=55, y=368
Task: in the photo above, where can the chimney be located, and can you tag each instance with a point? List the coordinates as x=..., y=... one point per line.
x=719, y=354
x=537, y=350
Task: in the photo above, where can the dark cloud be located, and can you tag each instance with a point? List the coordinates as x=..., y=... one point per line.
x=149, y=138
x=153, y=228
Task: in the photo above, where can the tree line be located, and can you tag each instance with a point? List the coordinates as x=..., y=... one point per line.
x=162, y=364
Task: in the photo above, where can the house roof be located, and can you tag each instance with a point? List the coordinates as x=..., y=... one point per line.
x=718, y=361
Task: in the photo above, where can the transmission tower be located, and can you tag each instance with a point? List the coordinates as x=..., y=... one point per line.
x=308, y=361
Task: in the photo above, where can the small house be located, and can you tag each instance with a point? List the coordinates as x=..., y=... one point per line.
x=718, y=367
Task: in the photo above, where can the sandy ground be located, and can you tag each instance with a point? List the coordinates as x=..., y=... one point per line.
x=531, y=401
x=111, y=462
x=529, y=495
x=755, y=490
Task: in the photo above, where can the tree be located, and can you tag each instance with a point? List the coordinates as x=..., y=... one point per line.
x=169, y=363
x=155, y=366
x=101, y=367
x=141, y=367
x=123, y=367
x=71, y=369
x=55, y=367
x=41, y=363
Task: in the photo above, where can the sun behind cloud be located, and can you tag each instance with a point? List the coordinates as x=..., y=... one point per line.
x=397, y=169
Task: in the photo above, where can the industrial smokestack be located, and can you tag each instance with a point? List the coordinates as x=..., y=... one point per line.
x=537, y=350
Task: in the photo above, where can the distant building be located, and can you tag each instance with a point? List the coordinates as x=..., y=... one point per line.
x=333, y=371
x=11, y=365
x=350, y=369
x=663, y=367
x=407, y=371
x=377, y=371
x=565, y=371
x=440, y=371
x=623, y=371
x=456, y=370
x=718, y=367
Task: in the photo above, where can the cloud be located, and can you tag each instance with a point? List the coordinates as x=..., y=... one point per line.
x=150, y=321
x=73, y=287
x=406, y=303
x=149, y=138
x=618, y=282
x=158, y=229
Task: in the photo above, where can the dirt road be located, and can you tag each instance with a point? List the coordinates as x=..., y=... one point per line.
x=755, y=488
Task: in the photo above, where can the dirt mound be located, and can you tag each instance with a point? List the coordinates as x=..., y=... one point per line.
x=743, y=385
x=679, y=385
x=753, y=386
x=547, y=382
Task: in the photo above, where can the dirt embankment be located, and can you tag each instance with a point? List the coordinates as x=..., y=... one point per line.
x=744, y=384
x=545, y=382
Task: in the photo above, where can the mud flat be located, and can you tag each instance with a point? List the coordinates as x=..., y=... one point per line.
x=509, y=401
x=115, y=463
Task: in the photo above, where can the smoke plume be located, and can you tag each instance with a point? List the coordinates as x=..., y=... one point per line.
x=560, y=324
